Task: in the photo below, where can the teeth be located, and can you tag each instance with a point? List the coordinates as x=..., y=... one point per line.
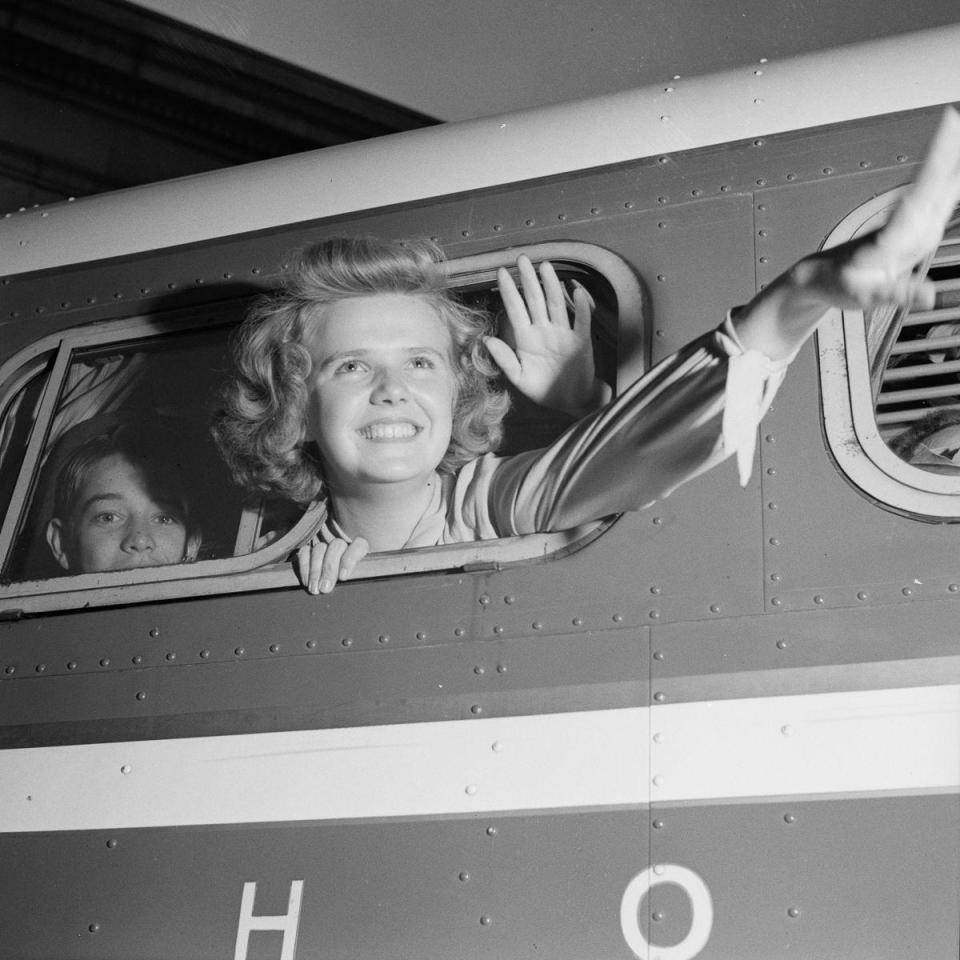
x=388, y=431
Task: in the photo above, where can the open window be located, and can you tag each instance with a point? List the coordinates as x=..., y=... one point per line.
x=151, y=380
x=891, y=384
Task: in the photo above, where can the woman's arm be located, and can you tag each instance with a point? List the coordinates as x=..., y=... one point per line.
x=865, y=272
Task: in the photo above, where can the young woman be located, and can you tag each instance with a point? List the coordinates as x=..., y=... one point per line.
x=364, y=384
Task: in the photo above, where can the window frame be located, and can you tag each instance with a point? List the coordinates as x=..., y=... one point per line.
x=268, y=568
x=849, y=416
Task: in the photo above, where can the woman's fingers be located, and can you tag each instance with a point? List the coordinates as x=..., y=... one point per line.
x=532, y=291
x=318, y=563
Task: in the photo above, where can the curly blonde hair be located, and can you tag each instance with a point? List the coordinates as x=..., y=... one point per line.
x=260, y=426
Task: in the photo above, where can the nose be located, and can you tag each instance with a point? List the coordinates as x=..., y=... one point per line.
x=137, y=539
x=390, y=387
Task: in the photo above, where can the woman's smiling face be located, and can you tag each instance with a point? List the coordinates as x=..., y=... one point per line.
x=382, y=390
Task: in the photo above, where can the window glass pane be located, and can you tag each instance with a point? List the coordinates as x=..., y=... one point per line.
x=916, y=370
x=129, y=475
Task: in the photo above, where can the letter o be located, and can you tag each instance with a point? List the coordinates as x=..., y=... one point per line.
x=701, y=904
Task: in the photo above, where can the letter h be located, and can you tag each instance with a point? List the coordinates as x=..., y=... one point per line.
x=287, y=923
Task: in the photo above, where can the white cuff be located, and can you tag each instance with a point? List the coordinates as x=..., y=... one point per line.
x=752, y=382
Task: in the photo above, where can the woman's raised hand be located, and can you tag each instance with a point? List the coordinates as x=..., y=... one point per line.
x=868, y=271
x=545, y=356
x=321, y=565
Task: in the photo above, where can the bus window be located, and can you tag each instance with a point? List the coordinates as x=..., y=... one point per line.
x=891, y=385
x=108, y=424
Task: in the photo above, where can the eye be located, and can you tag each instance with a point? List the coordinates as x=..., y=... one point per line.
x=423, y=363
x=166, y=519
x=350, y=366
x=106, y=517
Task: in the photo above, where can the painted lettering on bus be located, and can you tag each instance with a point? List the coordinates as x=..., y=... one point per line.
x=287, y=923
x=701, y=907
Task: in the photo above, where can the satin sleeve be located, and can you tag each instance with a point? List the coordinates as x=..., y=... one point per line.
x=684, y=416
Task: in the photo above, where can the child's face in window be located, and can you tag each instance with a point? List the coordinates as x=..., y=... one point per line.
x=118, y=524
x=383, y=389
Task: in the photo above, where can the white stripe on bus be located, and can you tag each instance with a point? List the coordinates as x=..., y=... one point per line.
x=878, y=741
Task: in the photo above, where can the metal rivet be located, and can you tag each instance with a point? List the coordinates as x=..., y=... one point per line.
x=171, y=656
x=773, y=506
x=658, y=781
x=714, y=607
x=484, y=599
x=561, y=216
x=761, y=233
x=907, y=592
x=497, y=227
x=656, y=591
x=657, y=824
x=72, y=665
x=662, y=200
x=791, y=177
x=486, y=920
x=628, y=205
x=661, y=225
x=618, y=618
x=112, y=844
x=775, y=577
x=761, y=181
x=594, y=210
x=464, y=233
x=775, y=602
x=659, y=869
x=10, y=670
x=94, y=927
x=496, y=746
x=664, y=117
x=658, y=655
x=656, y=915
x=458, y=631
x=818, y=598
x=104, y=661
x=793, y=912
x=771, y=471
x=125, y=769
x=384, y=638
x=137, y=659
x=774, y=541
x=537, y=625
x=480, y=671
x=862, y=595
x=659, y=696
x=658, y=737
x=498, y=629
x=657, y=521
x=577, y=621
x=789, y=818
x=953, y=587
x=762, y=207
x=758, y=143
x=476, y=709
x=41, y=667
x=509, y=598
x=696, y=192
x=421, y=635
x=346, y=642
x=828, y=170
x=501, y=668
x=529, y=223
x=662, y=160
x=781, y=644
x=787, y=730
x=491, y=831
x=864, y=164
x=654, y=614
x=274, y=648
x=204, y=654
x=239, y=651
x=470, y=789
x=464, y=876
x=155, y=632
x=668, y=89
x=141, y=695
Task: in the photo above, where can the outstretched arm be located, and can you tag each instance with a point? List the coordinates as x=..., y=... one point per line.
x=865, y=272
x=545, y=356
